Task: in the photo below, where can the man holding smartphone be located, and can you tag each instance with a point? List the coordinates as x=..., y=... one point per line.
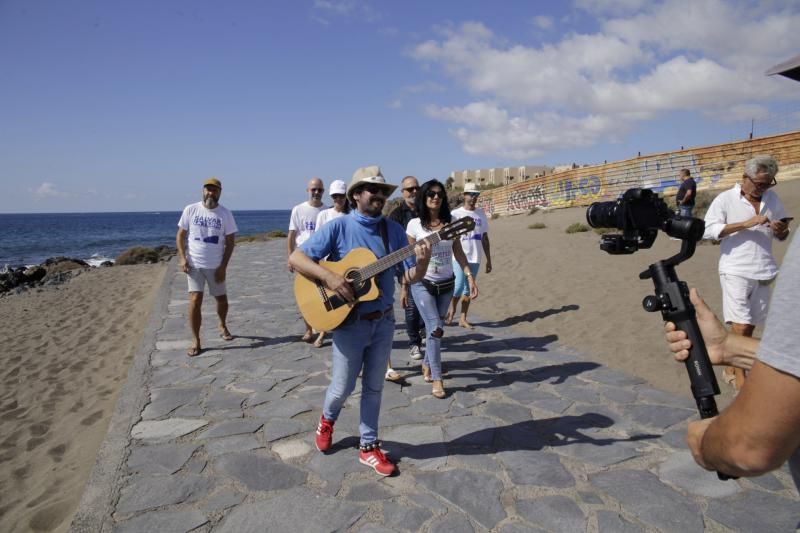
x=746, y=218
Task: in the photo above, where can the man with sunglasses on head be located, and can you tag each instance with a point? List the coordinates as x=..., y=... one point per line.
x=302, y=224
x=403, y=214
x=746, y=218
x=362, y=343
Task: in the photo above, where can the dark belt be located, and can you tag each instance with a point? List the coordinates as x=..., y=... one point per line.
x=375, y=315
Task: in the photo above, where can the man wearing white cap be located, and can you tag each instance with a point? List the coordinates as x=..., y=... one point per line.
x=340, y=208
x=210, y=231
x=363, y=342
x=472, y=243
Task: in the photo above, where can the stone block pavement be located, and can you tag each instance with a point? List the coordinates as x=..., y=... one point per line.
x=529, y=438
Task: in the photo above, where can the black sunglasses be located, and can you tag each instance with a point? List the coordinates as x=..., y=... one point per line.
x=314, y=189
x=374, y=189
x=337, y=196
x=431, y=194
x=762, y=184
x=411, y=189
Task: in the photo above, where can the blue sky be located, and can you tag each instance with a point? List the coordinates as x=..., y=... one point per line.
x=129, y=105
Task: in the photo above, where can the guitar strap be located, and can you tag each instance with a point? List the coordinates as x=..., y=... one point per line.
x=383, y=228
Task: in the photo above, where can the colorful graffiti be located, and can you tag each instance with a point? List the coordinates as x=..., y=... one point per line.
x=486, y=203
x=570, y=190
x=526, y=200
x=712, y=167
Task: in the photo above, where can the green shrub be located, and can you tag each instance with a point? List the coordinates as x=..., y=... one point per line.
x=276, y=234
x=137, y=255
x=537, y=225
x=577, y=227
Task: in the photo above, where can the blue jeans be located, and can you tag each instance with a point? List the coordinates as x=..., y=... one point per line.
x=685, y=210
x=462, y=287
x=413, y=322
x=432, y=309
x=367, y=344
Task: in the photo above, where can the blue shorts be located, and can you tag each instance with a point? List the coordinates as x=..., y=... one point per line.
x=462, y=287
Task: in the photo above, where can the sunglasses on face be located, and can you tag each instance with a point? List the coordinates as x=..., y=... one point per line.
x=411, y=189
x=432, y=194
x=375, y=189
x=337, y=196
x=763, y=184
x=314, y=189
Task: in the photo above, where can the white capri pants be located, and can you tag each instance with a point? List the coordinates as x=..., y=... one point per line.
x=744, y=300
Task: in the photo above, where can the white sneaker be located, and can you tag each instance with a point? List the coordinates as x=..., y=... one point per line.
x=415, y=352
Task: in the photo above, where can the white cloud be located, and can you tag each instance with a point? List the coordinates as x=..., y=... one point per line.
x=420, y=88
x=741, y=112
x=49, y=190
x=614, y=7
x=542, y=22
x=490, y=130
x=651, y=59
x=360, y=9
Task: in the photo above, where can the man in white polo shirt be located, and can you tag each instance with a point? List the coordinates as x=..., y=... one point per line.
x=209, y=229
x=746, y=218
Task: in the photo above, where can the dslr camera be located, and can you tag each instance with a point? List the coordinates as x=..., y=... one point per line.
x=640, y=213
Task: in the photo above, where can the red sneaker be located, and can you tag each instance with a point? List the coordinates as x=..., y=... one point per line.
x=324, y=434
x=375, y=458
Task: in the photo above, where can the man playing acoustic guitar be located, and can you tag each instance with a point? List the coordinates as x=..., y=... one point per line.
x=364, y=339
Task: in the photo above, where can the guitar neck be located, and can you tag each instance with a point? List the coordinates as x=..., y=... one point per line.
x=388, y=261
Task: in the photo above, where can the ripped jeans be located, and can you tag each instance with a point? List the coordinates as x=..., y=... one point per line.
x=432, y=309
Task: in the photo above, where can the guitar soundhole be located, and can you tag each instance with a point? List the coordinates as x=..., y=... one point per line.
x=352, y=277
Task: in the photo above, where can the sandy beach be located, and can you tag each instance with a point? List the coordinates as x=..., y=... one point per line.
x=563, y=290
x=67, y=349
x=66, y=354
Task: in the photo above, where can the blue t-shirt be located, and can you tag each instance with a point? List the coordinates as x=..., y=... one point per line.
x=336, y=238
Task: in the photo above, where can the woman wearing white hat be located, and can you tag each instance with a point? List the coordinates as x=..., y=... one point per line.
x=340, y=208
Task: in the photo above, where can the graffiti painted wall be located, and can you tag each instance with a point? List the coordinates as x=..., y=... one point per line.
x=713, y=167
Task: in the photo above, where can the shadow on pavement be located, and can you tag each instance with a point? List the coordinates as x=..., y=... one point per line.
x=527, y=435
x=527, y=317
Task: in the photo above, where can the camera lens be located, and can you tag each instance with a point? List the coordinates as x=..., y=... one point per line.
x=602, y=215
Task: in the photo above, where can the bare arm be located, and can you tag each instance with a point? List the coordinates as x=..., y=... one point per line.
x=758, y=432
x=730, y=229
x=487, y=252
x=687, y=196
x=306, y=266
x=417, y=272
x=290, y=246
x=180, y=244
x=723, y=348
x=230, y=242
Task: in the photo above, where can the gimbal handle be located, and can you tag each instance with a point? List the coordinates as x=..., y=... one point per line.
x=672, y=299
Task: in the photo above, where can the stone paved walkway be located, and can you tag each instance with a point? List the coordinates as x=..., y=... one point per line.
x=528, y=438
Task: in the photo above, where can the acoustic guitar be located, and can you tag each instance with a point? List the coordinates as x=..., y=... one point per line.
x=325, y=310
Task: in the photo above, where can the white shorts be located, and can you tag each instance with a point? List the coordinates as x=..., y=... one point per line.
x=198, y=277
x=744, y=301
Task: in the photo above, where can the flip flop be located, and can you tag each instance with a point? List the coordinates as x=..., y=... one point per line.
x=226, y=336
x=193, y=351
x=306, y=337
x=393, y=376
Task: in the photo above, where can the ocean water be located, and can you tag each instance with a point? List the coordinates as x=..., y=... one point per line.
x=29, y=239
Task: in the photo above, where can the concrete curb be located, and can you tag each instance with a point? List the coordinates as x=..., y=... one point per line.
x=101, y=491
